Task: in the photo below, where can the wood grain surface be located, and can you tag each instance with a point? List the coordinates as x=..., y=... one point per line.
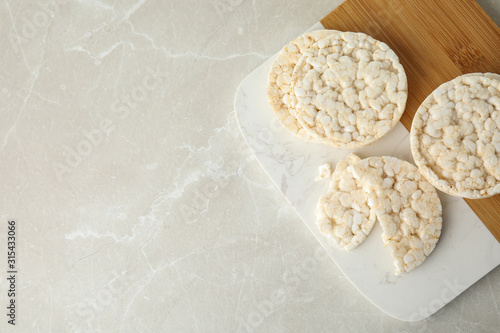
x=436, y=41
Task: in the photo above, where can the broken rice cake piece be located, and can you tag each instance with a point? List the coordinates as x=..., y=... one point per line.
x=407, y=206
x=342, y=213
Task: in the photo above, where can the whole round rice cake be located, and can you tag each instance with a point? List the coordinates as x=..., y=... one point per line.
x=342, y=213
x=455, y=136
x=406, y=205
x=279, y=89
x=351, y=90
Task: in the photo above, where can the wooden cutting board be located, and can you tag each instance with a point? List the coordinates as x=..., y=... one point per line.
x=436, y=41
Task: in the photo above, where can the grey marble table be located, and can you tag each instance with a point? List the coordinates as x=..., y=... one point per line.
x=138, y=206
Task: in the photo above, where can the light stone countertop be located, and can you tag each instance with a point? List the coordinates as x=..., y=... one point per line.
x=139, y=207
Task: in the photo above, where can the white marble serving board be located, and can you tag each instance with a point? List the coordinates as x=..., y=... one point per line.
x=465, y=252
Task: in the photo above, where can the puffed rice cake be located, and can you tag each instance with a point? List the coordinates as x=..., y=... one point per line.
x=351, y=90
x=455, y=136
x=279, y=89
